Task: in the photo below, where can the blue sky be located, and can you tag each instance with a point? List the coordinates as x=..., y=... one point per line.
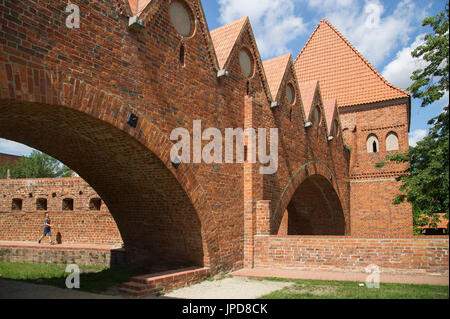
x=385, y=32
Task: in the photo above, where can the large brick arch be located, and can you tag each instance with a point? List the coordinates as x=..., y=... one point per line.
x=87, y=129
x=326, y=177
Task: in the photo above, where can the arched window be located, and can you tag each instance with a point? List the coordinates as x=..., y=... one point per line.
x=372, y=144
x=290, y=93
x=316, y=115
x=392, y=142
x=335, y=129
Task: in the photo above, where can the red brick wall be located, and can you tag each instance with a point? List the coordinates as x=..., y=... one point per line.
x=6, y=158
x=373, y=189
x=82, y=225
x=63, y=256
x=413, y=255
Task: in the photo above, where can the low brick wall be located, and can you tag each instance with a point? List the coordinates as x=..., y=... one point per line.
x=164, y=281
x=85, y=227
x=411, y=255
x=64, y=256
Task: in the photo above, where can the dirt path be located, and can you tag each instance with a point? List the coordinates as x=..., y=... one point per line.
x=229, y=288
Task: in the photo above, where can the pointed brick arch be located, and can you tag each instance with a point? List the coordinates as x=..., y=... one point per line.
x=300, y=176
x=51, y=91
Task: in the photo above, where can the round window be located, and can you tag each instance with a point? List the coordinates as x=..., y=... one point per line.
x=246, y=62
x=181, y=18
x=290, y=93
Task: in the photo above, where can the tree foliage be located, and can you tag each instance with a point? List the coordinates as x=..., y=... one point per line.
x=431, y=83
x=37, y=165
x=425, y=184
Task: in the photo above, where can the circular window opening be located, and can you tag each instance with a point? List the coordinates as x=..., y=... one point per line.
x=246, y=62
x=290, y=93
x=181, y=18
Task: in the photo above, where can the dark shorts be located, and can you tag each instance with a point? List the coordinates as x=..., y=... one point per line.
x=47, y=231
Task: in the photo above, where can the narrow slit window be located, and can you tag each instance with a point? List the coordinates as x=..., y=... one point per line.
x=182, y=55
x=372, y=144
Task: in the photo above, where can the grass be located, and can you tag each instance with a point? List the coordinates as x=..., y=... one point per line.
x=92, y=279
x=315, y=289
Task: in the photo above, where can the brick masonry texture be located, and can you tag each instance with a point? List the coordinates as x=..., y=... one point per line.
x=83, y=224
x=328, y=253
x=63, y=256
x=70, y=92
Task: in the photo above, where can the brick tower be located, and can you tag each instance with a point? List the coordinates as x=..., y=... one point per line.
x=375, y=116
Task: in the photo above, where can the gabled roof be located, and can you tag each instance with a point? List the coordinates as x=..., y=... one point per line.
x=275, y=70
x=137, y=6
x=224, y=38
x=307, y=93
x=330, y=107
x=343, y=73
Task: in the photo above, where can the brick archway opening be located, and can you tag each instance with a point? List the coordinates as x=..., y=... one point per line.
x=155, y=216
x=315, y=209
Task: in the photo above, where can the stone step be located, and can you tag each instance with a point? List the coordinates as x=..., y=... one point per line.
x=148, y=284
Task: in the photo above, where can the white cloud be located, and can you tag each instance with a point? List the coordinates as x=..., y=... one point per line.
x=399, y=71
x=10, y=147
x=368, y=27
x=416, y=136
x=273, y=21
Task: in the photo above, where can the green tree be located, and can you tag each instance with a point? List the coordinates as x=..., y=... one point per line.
x=425, y=184
x=431, y=83
x=37, y=165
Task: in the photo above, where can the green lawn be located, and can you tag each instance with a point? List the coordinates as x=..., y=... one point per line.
x=315, y=289
x=92, y=279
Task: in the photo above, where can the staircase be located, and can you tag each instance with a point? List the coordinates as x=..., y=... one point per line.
x=164, y=281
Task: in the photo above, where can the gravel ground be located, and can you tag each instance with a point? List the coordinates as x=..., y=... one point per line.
x=229, y=288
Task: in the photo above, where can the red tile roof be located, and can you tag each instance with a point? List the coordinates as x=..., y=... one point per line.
x=343, y=73
x=137, y=6
x=307, y=93
x=275, y=70
x=225, y=37
x=330, y=107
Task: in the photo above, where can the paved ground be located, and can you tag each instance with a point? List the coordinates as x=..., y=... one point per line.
x=11, y=289
x=341, y=276
x=228, y=288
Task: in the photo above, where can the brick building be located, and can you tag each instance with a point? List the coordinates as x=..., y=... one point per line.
x=7, y=158
x=105, y=99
